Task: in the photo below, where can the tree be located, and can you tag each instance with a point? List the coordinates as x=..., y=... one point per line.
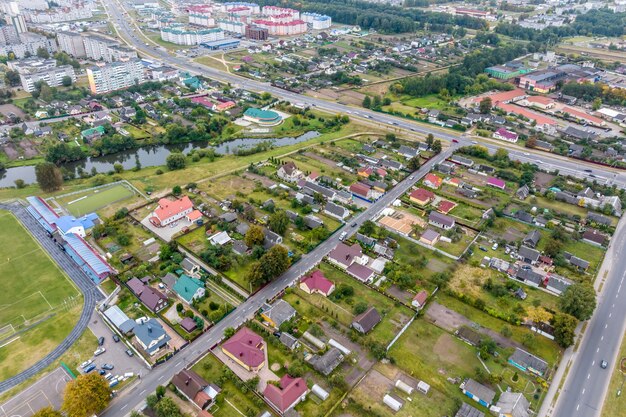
x=12, y=78
x=19, y=183
x=119, y=168
x=485, y=105
x=86, y=396
x=279, y=222
x=176, y=190
x=254, y=236
x=66, y=81
x=166, y=407
x=367, y=102
x=43, y=53
x=436, y=148
x=160, y=391
x=414, y=163
x=175, y=160
x=229, y=332
x=47, y=412
x=368, y=227
x=430, y=139
x=597, y=103
x=538, y=315
x=275, y=261
x=564, y=329
x=46, y=93
x=578, y=300
x=49, y=176
x=360, y=307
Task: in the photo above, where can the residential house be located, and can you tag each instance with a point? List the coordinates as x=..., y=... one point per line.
x=195, y=389
x=240, y=247
x=365, y=322
x=343, y=255
x=524, y=216
x=190, y=267
x=528, y=362
x=419, y=301
x=288, y=341
x=271, y=239
x=365, y=240
x=460, y=160
x=170, y=211
x=478, y=392
x=421, y=196
x=151, y=336
x=407, y=151
x=506, y=135
x=228, y=217
x=441, y=220
x=432, y=181
x=579, y=263
x=496, y=182
x=277, y=313
x=361, y=190
x=289, y=172
x=528, y=255
x=119, y=319
x=317, y=283
x=599, y=219
x=513, y=404
x=327, y=362
x=532, y=238
x=522, y=192
x=594, y=237
x=467, y=410
x=336, y=211
x=287, y=395
x=246, y=348
x=361, y=272
x=529, y=277
x=556, y=283
x=150, y=297
x=189, y=289
x=430, y=237
x=220, y=239
x=446, y=168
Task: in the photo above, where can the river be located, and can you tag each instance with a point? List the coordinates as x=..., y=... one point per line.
x=147, y=157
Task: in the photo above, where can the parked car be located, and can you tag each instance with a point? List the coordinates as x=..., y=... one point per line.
x=129, y=352
x=86, y=364
x=99, y=351
x=107, y=366
x=101, y=341
x=116, y=338
x=102, y=372
x=604, y=364
x=90, y=368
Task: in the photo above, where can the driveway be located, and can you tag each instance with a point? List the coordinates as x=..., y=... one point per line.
x=167, y=233
x=265, y=373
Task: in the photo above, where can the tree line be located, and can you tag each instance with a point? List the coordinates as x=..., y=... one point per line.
x=381, y=17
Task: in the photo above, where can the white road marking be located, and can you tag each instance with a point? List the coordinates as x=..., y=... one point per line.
x=593, y=363
x=577, y=407
x=142, y=392
x=606, y=325
x=588, y=376
x=583, y=393
x=124, y=406
x=161, y=377
x=610, y=314
x=597, y=350
x=602, y=338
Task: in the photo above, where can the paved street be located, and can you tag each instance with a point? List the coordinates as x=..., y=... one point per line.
x=89, y=290
x=245, y=311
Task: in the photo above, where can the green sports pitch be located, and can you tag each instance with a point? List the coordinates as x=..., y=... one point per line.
x=35, y=301
x=94, y=199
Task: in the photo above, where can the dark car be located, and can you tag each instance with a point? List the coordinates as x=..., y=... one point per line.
x=129, y=352
x=107, y=366
x=482, y=249
x=353, y=225
x=101, y=341
x=102, y=372
x=116, y=338
x=455, y=141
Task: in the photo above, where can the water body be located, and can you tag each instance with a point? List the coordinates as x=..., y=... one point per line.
x=148, y=157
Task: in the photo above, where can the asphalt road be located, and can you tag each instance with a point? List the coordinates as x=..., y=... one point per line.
x=587, y=383
x=564, y=165
x=245, y=311
x=90, y=292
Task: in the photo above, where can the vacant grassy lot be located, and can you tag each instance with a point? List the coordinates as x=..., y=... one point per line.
x=37, y=298
x=93, y=200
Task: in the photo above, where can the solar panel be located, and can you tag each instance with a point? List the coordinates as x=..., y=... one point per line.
x=87, y=254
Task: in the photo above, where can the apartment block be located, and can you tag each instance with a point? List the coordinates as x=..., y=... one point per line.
x=100, y=48
x=34, y=70
x=115, y=76
x=181, y=36
x=72, y=44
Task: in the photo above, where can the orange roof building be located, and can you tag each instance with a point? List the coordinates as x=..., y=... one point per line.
x=170, y=211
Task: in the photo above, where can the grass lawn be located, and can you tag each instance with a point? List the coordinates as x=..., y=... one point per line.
x=93, y=200
x=231, y=402
x=542, y=347
x=407, y=251
x=195, y=240
x=135, y=132
x=613, y=404
x=34, y=289
x=430, y=101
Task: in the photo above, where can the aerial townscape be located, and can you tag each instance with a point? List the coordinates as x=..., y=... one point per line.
x=314, y=208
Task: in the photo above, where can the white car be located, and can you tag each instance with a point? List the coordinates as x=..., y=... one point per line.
x=99, y=351
x=86, y=364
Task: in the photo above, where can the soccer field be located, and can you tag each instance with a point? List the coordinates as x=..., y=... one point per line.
x=36, y=297
x=93, y=200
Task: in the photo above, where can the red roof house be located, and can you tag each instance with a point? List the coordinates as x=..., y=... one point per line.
x=361, y=190
x=496, y=182
x=317, y=283
x=288, y=395
x=432, y=181
x=246, y=348
x=421, y=196
x=445, y=206
x=420, y=299
x=170, y=211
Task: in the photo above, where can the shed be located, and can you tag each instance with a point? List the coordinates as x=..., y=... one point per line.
x=423, y=387
x=403, y=386
x=339, y=346
x=313, y=340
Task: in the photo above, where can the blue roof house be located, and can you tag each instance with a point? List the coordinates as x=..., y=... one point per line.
x=189, y=289
x=151, y=336
x=80, y=226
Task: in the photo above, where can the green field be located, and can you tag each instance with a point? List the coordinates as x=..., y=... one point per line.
x=37, y=299
x=92, y=200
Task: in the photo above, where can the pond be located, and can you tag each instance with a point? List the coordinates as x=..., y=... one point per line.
x=148, y=157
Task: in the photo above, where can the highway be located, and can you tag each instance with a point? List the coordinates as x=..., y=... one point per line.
x=90, y=292
x=128, y=31
x=163, y=373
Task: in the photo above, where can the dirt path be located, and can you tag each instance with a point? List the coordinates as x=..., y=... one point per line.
x=451, y=321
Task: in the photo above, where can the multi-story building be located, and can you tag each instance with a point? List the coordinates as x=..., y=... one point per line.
x=115, y=76
x=34, y=70
x=17, y=21
x=254, y=8
x=58, y=14
x=232, y=26
x=201, y=19
x=295, y=27
x=275, y=10
x=8, y=35
x=28, y=44
x=317, y=21
x=257, y=33
x=99, y=48
x=72, y=43
x=181, y=36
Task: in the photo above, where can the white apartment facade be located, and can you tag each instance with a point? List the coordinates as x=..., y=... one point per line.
x=115, y=76
x=191, y=37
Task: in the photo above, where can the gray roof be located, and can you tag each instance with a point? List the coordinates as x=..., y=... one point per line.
x=280, y=312
x=529, y=275
x=312, y=188
x=228, y=217
x=579, y=262
x=532, y=238
x=529, y=253
x=187, y=264
x=120, y=319
x=523, y=216
x=288, y=340
x=150, y=331
x=407, y=151
x=558, y=282
x=327, y=362
x=461, y=160
x=336, y=209
x=467, y=410
x=522, y=192
x=313, y=222
x=599, y=218
x=513, y=404
x=442, y=219
x=528, y=360
x=240, y=247
x=169, y=280
x=368, y=319
x=242, y=228
x=479, y=390
x=366, y=240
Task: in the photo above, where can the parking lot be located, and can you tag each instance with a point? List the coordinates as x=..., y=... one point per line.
x=167, y=233
x=115, y=353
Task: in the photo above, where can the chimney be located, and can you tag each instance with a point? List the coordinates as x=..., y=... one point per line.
x=187, y=381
